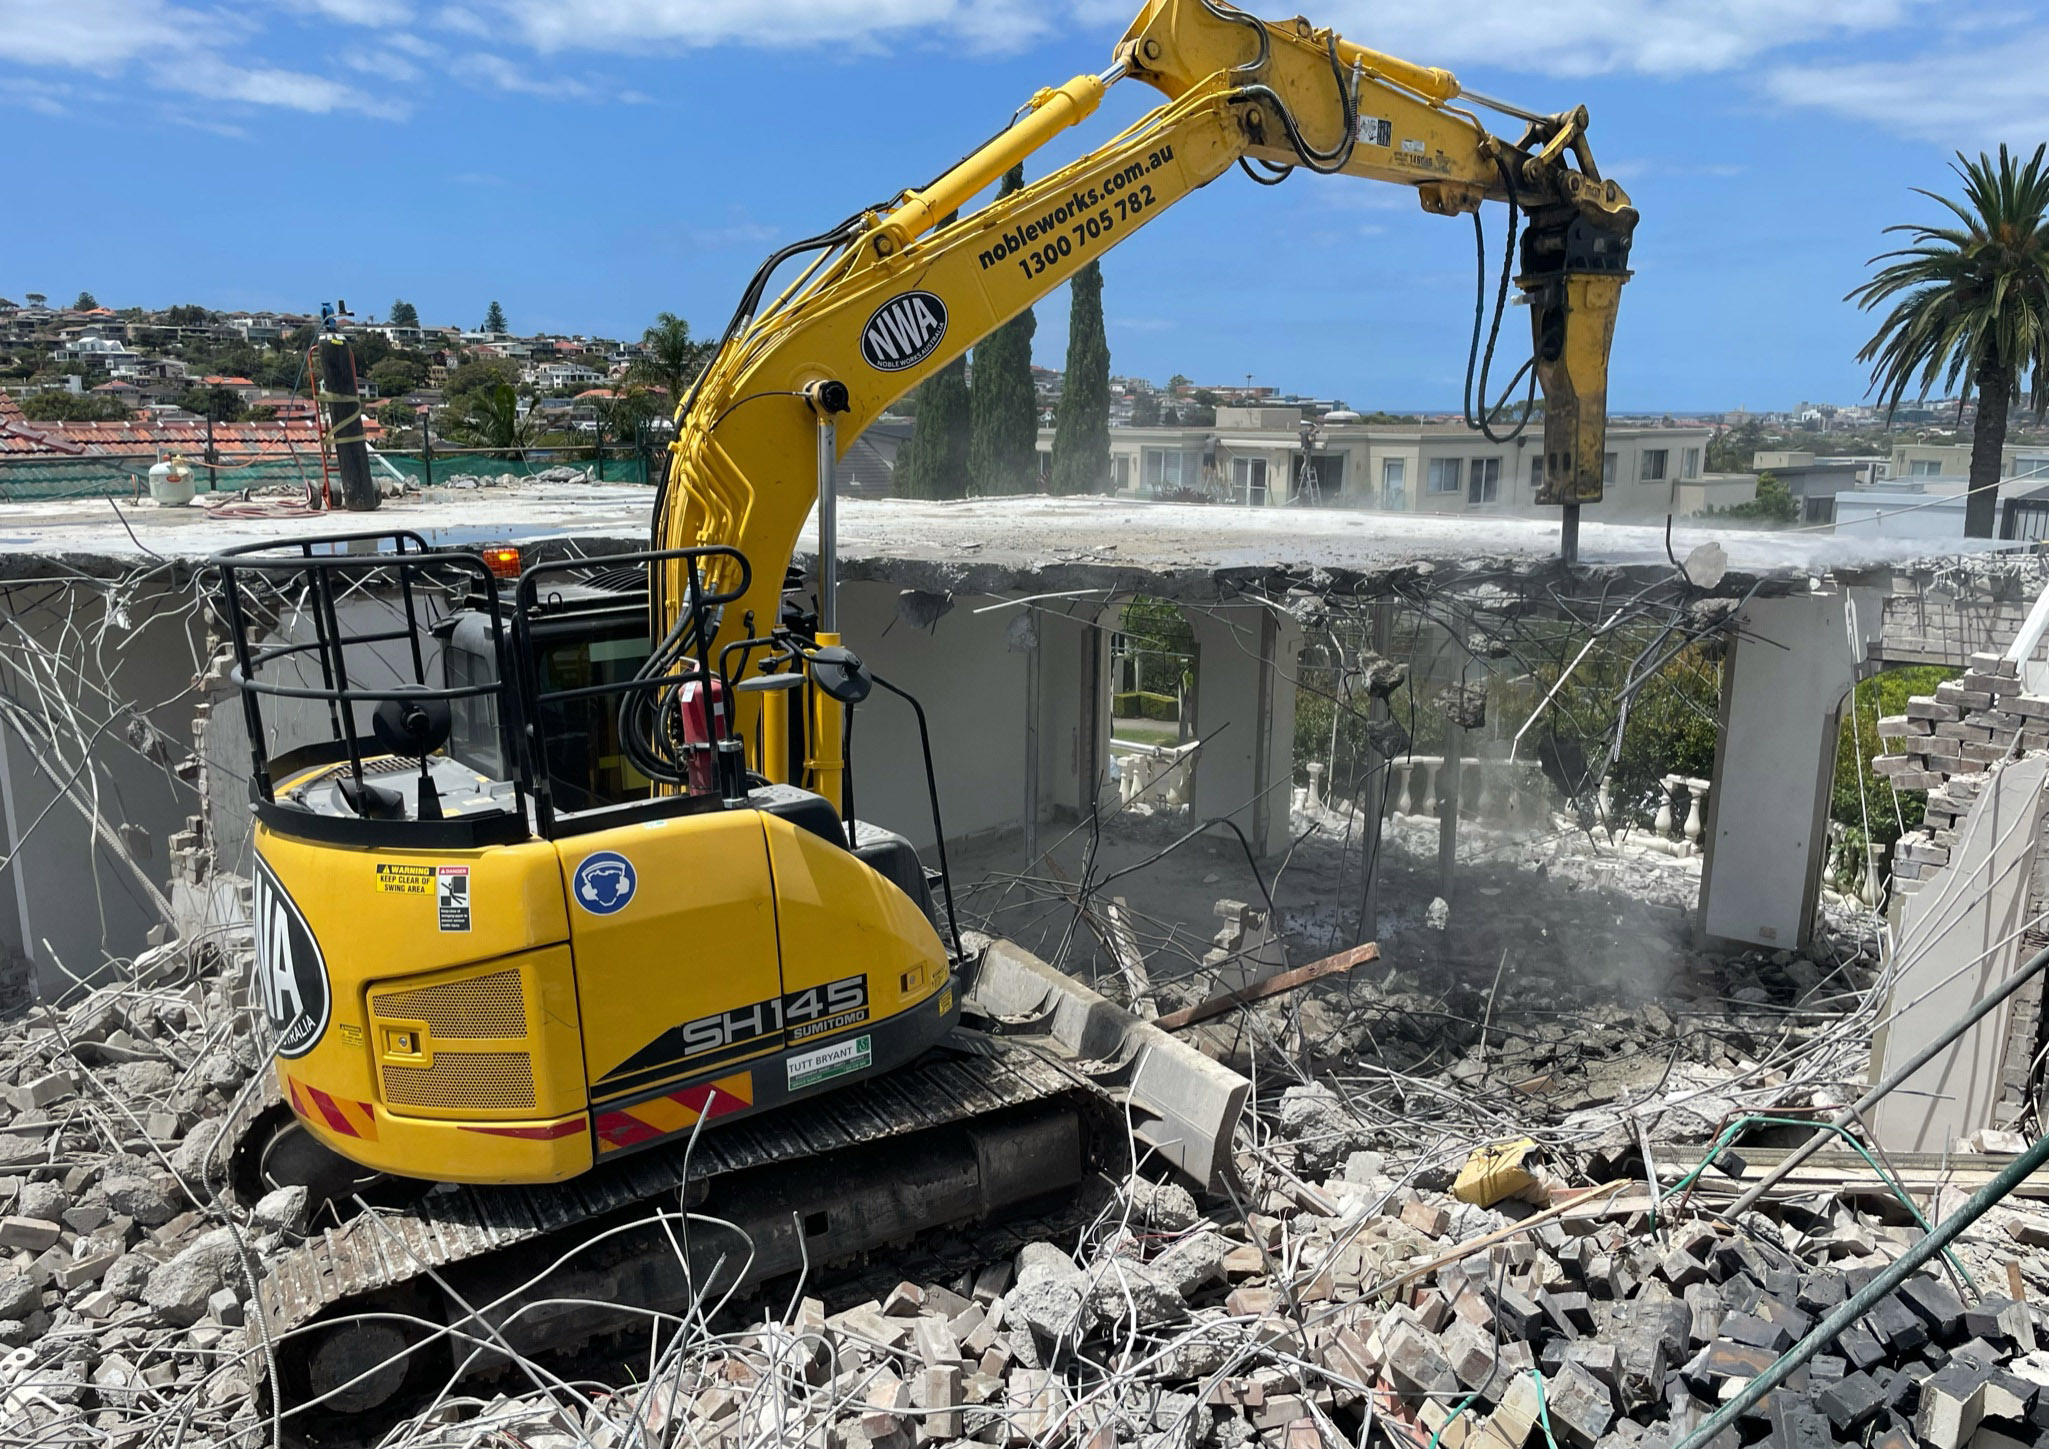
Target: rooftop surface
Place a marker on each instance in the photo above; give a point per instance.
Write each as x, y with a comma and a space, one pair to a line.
981, 545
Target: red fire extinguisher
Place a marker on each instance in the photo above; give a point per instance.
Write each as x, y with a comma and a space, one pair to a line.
703, 726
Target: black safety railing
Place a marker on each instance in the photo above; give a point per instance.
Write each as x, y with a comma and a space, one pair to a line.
315, 575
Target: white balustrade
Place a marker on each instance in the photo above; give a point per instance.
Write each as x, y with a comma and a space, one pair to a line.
1498, 793
1681, 819
1156, 774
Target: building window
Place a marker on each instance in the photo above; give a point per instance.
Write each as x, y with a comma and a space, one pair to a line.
1483, 484
1326, 471
1607, 470
1248, 481
1444, 475
1394, 483
1536, 474
1924, 468
1689, 463
1120, 472
1652, 468
1163, 468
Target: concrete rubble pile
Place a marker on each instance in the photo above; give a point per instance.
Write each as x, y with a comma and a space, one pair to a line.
123, 1292
1359, 1309
1349, 1289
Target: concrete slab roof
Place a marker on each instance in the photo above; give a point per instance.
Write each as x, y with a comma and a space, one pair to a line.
978, 545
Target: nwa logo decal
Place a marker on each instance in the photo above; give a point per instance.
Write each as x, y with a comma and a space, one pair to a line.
903, 331
290, 973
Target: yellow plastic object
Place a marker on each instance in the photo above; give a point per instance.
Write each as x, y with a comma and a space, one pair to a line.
1495, 1172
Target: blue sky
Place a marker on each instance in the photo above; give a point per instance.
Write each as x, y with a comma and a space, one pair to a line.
591, 162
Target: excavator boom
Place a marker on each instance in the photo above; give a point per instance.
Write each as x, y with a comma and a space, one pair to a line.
895, 295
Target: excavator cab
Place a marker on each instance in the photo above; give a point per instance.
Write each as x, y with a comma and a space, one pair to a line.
523, 900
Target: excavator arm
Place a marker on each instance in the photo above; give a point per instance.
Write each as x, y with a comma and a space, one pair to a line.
898, 291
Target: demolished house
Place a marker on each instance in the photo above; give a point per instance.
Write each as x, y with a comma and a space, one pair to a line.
1515, 1054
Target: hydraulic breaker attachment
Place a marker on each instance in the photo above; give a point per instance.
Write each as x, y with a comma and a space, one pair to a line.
1572, 275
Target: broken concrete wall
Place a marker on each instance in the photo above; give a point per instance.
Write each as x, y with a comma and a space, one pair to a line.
95, 715
969, 671
1245, 715
1960, 937
1789, 670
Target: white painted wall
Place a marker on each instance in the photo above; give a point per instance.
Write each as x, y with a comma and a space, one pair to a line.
1766, 832
1899, 513
972, 684
1245, 716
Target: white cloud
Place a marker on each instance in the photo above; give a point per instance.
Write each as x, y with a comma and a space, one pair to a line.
1778, 49
553, 25
1961, 99
178, 50
360, 12
1549, 37
741, 231
484, 68
1596, 37
205, 74
89, 34
38, 96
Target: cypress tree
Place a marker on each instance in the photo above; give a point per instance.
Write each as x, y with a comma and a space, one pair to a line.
933, 462
1081, 433
1004, 435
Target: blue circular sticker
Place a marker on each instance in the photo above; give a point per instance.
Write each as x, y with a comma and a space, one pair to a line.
604, 883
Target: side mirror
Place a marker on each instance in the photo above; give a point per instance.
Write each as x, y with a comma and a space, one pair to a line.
412, 727
841, 674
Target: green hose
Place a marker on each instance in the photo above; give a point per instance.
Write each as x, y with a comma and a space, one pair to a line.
1543, 1409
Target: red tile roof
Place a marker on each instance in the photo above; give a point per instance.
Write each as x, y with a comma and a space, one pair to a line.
149, 436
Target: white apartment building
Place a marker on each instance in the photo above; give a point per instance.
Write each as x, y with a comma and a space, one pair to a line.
1262, 457
1923, 461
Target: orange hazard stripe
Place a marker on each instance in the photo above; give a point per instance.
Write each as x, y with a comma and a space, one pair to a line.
337, 1114
674, 1112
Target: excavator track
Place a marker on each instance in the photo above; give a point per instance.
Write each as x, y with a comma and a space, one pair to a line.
972, 1076
369, 1318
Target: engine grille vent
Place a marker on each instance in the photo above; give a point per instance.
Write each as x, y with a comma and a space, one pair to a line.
481, 1006
478, 1080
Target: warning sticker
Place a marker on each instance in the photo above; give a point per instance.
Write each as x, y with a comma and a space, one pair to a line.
808, 1069
1376, 130
405, 880
452, 896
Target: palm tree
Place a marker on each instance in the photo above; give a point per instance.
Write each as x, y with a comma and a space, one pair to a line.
490, 418
671, 358
1973, 307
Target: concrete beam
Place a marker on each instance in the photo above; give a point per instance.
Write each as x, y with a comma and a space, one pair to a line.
1767, 829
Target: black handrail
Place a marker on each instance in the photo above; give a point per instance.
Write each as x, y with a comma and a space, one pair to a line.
318, 560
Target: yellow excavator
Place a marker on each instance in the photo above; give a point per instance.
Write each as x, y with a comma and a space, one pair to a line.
557, 864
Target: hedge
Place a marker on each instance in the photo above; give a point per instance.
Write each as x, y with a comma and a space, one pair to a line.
1144, 704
